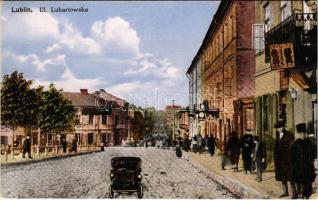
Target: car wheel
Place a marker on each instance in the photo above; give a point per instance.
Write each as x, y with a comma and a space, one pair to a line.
111, 192
140, 192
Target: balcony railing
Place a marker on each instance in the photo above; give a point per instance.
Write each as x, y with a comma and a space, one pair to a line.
299, 29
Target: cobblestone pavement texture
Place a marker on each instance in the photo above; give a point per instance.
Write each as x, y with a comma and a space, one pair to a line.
87, 176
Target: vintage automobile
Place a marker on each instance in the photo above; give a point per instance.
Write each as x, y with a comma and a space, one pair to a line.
125, 176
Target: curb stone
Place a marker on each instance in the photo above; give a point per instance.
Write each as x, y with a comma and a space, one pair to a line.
235, 187
11, 164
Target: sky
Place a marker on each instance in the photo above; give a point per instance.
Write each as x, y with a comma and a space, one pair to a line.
139, 51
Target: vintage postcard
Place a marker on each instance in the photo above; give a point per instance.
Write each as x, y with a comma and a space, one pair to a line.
159, 99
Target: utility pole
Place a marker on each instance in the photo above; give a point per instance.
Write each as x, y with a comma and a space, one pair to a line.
174, 121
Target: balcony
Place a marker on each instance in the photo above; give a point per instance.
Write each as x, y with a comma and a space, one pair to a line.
301, 30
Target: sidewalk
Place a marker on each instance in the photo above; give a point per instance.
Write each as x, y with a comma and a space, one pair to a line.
38, 158
241, 184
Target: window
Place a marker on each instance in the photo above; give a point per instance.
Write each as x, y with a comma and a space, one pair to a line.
90, 138
116, 119
4, 140
104, 119
285, 9
90, 119
267, 16
265, 114
221, 41
78, 137
258, 37
230, 28
249, 119
228, 75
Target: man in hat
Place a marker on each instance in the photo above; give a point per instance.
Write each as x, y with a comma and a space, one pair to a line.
282, 158
26, 147
302, 157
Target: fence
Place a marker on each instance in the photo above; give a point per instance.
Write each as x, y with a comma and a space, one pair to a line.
42, 151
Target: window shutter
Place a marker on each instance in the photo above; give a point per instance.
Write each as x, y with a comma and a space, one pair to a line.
274, 113
259, 115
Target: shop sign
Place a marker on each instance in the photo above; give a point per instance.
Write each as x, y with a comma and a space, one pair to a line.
282, 56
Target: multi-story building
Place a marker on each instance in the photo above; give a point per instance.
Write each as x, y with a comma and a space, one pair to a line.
285, 43
103, 118
228, 70
184, 124
194, 74
171, 120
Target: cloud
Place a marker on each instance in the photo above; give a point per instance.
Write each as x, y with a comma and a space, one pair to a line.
126, 88
73, 40
41, 65
70, 83
52, 48
43, 27
116, 34
31, 26
150, 93
149, 65
111, 48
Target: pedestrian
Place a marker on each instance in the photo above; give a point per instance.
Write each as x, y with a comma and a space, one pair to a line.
259, 157
27, 147
233, 148
247, 150
211, 144
74, 146
194, 144
64, 145
185, 144
199, 143
102, 147
282, 157
178, 151
302, 160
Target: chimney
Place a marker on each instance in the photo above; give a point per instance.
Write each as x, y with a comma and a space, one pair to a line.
84, 91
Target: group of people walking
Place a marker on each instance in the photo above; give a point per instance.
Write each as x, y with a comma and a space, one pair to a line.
293, 160
253, 153
198, 144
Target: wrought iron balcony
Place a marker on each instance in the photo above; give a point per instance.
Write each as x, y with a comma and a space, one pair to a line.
301, 30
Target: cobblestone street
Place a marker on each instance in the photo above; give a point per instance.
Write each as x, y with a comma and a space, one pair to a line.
87, 176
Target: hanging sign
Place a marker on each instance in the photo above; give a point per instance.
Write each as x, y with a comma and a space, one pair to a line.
282, 56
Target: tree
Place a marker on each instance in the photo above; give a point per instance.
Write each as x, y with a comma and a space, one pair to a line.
19, 103
148, 122
137, 122
57, 113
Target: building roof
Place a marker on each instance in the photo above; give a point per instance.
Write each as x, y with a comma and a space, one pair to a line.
219, 14
109, 97
81, 100
171, 107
